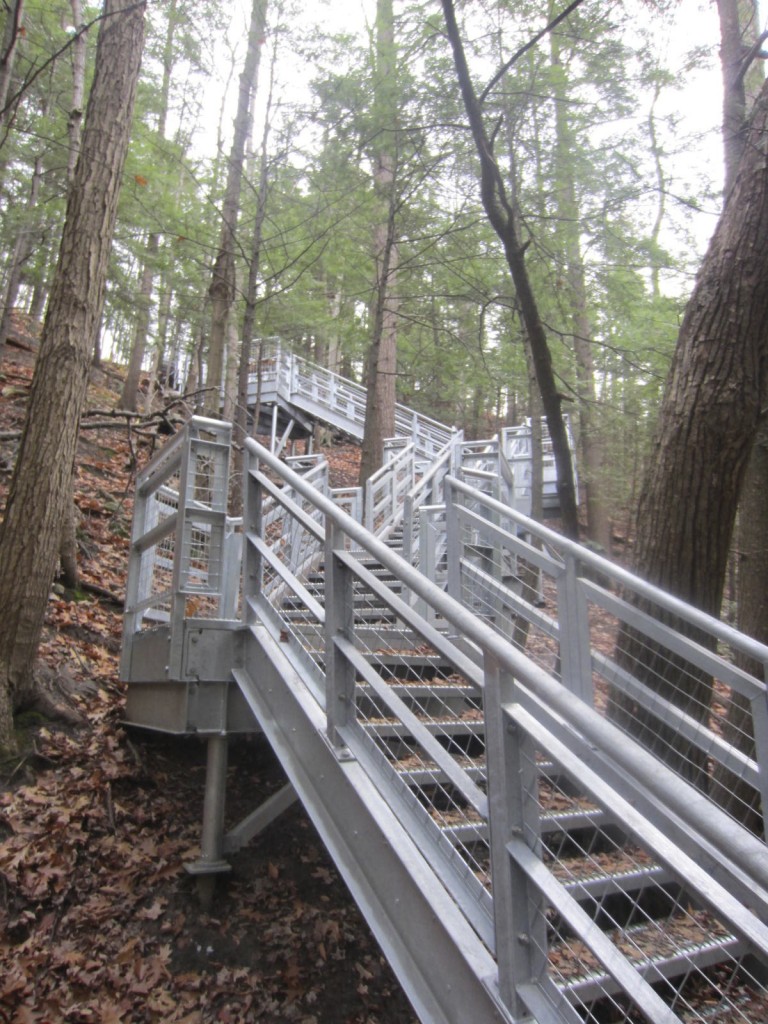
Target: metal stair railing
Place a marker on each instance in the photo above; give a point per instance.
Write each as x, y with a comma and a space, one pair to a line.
517, 446
659, 667
489, 767
338, 401
184, 554
565, 769
385, 490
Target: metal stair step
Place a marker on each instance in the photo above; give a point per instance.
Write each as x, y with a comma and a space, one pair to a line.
452, 727
591, 987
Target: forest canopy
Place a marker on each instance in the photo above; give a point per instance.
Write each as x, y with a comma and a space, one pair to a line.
594, 129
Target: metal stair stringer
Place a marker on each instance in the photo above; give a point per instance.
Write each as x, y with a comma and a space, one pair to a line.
444, 968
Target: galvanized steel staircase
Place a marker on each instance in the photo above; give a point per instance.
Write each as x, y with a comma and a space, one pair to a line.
437, 695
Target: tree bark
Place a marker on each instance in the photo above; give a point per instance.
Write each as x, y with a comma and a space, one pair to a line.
381, 366
590, 435
713, 397
222, 288
709, 418
501, 214
129, 398
42, 479
11, 33
75, 119
742, 79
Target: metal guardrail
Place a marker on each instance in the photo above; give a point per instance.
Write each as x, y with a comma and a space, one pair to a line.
185, 551
517, 445
336, 400
595, 874
657, 667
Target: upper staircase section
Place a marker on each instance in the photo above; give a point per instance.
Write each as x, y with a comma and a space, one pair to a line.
292, 393
305, 392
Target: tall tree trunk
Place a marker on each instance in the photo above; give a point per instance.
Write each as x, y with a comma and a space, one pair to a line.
249, 321
381, 365
130, 393
222, 288
42, 479
11, 33
568, 212
742, 77
501, 214
131, 384
75, 119
710, 414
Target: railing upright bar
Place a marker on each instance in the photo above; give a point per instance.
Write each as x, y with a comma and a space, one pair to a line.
573, 617
513, 813
339, 622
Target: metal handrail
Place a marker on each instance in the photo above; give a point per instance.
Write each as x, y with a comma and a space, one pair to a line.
699, 813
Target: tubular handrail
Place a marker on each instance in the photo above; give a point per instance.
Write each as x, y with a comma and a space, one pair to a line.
428, 434
734, 843
675, 606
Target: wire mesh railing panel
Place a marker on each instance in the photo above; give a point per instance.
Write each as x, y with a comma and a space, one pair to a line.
496, 704
207, 476
292, 573
618, 910
156, 561
688, 688
690, 699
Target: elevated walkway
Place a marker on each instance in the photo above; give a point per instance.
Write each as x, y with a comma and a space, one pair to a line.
531, 768
294, 394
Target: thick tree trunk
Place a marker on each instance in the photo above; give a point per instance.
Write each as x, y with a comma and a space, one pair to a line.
381, 367
569, 217
42, 479
738, 798
742, 78
713, 397
709, 418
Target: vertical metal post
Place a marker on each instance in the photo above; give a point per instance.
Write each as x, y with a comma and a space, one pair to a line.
759, 707
573, 619
212, 839
339, 621
252, 528
178, 599
211, 862
453, 541
513, 811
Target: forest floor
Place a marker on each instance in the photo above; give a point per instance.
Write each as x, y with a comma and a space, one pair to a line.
99, 921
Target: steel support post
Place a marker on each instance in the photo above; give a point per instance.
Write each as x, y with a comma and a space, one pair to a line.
211, 862
573, 618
